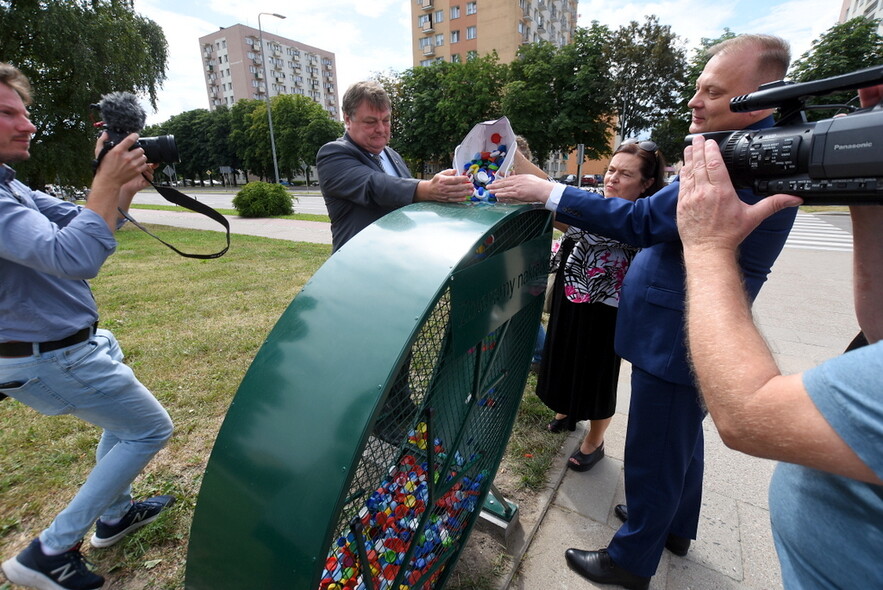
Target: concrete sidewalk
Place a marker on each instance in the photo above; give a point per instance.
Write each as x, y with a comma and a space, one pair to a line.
806, 313
280, 229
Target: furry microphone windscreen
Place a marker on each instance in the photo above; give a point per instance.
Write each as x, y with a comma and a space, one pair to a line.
122, 112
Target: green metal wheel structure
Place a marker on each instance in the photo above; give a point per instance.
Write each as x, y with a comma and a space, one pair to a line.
365, 436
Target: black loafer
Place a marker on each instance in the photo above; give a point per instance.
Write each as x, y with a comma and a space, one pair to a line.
598, 567
677, 545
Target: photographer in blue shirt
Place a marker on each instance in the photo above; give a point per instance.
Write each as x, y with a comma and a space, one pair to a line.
53, 357
825, 425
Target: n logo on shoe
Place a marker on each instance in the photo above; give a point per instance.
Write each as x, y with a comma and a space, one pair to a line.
64, 572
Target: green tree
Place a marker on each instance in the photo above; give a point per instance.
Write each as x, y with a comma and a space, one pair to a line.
472, 93
318, 132
75, 51
648, 72
558, 98
843, 48
241, 115
435, 106
192, 131
301, 127
417, 130
222, 152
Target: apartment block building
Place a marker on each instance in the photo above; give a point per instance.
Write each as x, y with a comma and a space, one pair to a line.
455, 30
233, 60
869, 8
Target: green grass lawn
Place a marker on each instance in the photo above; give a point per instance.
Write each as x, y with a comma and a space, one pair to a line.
190, 329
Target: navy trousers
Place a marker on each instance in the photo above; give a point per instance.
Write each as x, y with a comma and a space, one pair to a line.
664, 463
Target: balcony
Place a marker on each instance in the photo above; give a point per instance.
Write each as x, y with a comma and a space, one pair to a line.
426, 4
428, 50
427, 27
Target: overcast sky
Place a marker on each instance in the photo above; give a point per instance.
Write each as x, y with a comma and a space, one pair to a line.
369, 36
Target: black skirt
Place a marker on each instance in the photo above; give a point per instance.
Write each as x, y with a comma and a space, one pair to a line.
579, 370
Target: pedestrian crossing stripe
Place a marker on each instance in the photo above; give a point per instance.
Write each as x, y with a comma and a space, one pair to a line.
813, 233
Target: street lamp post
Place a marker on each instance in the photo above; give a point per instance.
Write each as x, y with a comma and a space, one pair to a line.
267, 91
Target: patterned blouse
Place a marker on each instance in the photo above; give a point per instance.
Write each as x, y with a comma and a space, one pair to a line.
596, 267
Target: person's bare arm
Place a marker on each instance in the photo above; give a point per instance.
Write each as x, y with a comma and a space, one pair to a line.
522, 165
867, 237
756, 409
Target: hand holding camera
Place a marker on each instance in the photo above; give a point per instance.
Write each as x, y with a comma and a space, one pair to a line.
122, 115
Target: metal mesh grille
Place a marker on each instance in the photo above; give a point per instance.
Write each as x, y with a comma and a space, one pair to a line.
435, 446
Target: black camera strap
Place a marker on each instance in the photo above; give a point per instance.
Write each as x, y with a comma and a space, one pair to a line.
178, 198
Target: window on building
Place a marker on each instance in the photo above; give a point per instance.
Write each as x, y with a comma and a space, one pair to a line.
471, 8
426, 62
455, 12
425, 42
439, 16
423, 20
470, 55
439, 40
471, 32
455, 58
455, 36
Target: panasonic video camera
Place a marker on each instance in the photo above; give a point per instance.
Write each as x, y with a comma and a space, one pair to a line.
837, 161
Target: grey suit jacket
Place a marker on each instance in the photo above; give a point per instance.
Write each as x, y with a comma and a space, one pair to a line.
357, 190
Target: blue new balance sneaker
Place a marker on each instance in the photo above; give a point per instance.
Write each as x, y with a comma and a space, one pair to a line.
68, 571
140, 514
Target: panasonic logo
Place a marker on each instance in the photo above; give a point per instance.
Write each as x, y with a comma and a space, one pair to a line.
853, 146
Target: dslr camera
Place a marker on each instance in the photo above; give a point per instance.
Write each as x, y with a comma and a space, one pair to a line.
837, 161
122, 114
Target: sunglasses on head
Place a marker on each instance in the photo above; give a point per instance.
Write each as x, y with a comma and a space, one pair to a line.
646, 145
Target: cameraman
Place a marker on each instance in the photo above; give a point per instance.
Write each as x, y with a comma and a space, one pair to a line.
825, 425
52, 356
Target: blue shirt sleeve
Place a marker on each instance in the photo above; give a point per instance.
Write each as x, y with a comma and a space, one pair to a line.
641, 223
52, 236
847, 391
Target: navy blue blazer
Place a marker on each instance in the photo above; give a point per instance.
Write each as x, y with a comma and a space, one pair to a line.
357, 190
650, 322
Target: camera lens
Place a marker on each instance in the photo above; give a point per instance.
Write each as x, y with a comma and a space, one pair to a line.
160, 149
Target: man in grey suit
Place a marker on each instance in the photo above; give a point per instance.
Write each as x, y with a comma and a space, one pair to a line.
362, 179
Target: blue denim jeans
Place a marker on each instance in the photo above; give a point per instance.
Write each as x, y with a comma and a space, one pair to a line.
90, 381
539, 344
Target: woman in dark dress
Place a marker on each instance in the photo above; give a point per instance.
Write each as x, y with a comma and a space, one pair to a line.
579, 369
